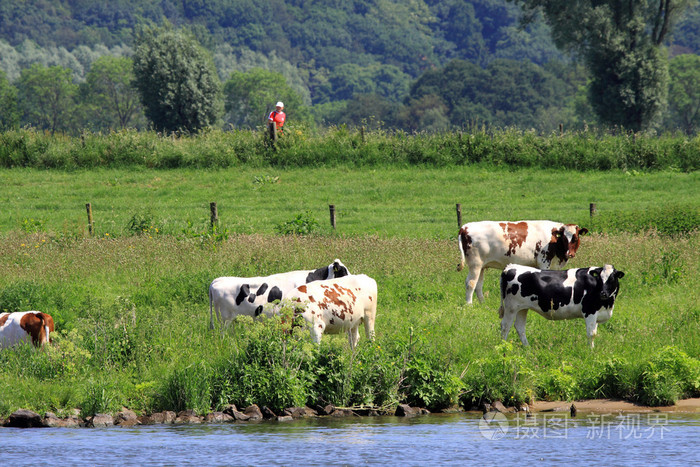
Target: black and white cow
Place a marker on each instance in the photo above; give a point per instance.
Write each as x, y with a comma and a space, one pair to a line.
247, 296
587, 293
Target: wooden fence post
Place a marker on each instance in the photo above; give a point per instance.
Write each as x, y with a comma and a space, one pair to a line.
273, 133
214, 214
592, 209
362, 134
88, 207
459, 215
331, 207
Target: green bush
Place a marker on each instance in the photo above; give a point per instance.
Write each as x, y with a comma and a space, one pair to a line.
303, 224
670, 375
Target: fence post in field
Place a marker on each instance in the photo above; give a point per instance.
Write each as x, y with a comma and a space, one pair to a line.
273, 133
592, 209
561, 129
331, 207
459, 215
362, 134
214, 214
88, 207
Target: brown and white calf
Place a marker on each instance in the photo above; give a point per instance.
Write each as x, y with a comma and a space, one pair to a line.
337, 305
491, 244
25, 326
587, 293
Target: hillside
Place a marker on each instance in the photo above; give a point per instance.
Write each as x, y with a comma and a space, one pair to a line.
329, 52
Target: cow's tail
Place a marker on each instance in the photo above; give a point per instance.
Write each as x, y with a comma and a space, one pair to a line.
211, 311
463, 246
501, 309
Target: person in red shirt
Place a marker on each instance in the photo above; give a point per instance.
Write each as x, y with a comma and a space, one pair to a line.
277, 116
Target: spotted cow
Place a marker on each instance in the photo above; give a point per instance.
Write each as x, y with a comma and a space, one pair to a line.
337, 305
587, 293
490, 244
248, 296
25, 326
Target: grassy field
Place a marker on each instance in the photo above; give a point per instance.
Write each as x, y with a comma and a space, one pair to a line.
132, 312
385, 201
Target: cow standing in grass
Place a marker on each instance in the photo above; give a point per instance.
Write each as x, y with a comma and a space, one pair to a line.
587, 293
249, 296
490, 244
337, 305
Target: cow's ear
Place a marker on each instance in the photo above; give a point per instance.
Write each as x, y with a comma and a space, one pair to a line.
619, 274
582, 231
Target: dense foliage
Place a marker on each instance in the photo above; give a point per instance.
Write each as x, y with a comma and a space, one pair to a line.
301, 147
177, 81
349, 67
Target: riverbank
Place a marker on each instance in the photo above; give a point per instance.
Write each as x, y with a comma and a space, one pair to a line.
691, 405
127, 418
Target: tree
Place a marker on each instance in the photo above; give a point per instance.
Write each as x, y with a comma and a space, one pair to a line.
621, 44
109, 93
250, 96
176, 79
9, 116
47, 97
684, 92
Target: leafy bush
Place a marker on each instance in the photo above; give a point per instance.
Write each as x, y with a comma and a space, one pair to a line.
100, 397
506, 376
670, 375
143, 224
303, 224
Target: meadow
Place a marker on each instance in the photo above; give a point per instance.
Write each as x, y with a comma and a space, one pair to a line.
131, 306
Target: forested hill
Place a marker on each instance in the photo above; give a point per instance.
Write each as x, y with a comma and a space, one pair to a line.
329, 52
410, 36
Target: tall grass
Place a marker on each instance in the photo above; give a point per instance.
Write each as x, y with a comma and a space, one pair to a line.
302, 147
132, 327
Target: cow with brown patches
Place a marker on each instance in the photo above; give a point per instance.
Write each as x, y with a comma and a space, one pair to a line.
337, 305
26, 326
489, 244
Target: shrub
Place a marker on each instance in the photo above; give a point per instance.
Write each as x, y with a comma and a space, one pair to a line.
670, 375
303, 224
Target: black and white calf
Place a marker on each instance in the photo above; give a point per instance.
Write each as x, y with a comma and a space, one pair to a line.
247, 296
587, 293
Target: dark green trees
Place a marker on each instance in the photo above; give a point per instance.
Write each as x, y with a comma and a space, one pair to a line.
621, 44
176, 78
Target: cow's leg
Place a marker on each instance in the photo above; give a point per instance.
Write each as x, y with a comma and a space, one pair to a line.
506, 322
472, 280
520, 319
369, 325
480, 285
591, 328
354, 336
317, 329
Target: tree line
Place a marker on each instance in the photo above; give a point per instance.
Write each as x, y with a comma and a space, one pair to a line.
171, 83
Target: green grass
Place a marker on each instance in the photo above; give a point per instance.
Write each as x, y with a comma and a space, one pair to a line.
386, 201
131, 307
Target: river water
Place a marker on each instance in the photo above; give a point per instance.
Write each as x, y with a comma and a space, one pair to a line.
445, 439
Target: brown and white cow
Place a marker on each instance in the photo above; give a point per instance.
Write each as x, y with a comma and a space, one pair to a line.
587, 293
249, 296
25, 326
337, 305
490, 244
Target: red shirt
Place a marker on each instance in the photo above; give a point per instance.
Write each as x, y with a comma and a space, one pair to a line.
277, 117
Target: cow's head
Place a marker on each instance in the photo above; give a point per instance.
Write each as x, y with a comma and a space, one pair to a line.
333, 270
565, 241
607, 282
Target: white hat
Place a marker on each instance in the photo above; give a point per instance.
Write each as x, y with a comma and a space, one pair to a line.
279, 104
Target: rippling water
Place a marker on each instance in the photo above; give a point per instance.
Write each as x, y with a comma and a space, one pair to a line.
625, 439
